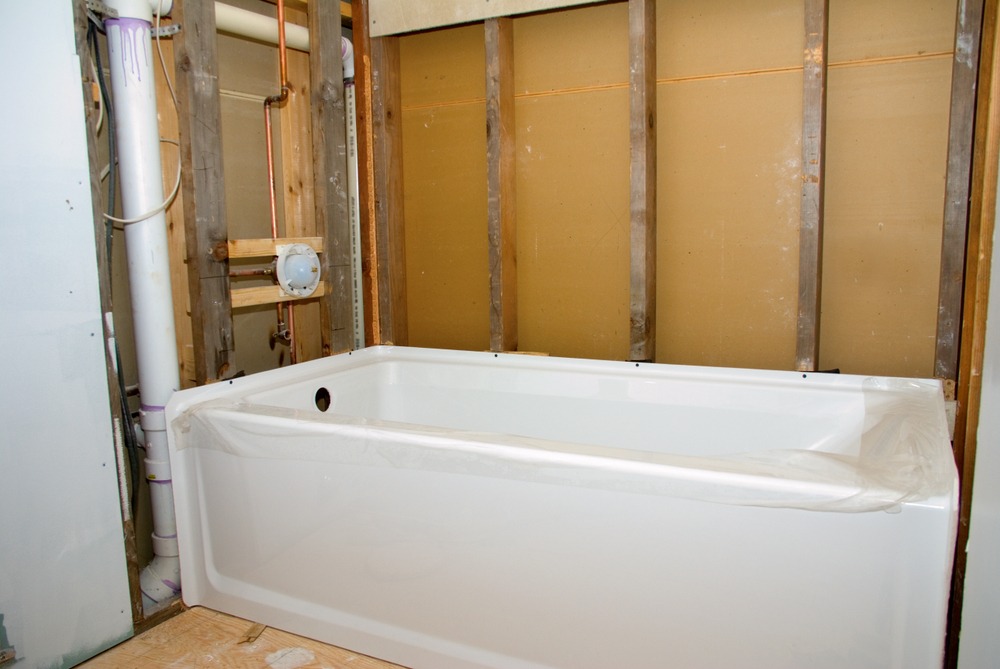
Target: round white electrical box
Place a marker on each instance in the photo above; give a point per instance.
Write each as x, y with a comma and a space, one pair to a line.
297, 269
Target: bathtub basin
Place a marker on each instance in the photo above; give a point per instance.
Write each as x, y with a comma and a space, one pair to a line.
458, 509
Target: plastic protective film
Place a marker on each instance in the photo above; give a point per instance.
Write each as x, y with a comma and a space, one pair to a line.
902, 455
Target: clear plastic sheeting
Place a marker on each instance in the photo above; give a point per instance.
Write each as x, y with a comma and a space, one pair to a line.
814, 442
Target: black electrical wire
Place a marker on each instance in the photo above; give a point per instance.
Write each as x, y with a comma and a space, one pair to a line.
128, 434
112, 146
128, 430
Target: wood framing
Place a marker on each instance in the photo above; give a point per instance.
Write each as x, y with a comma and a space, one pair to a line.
261, 248
964, 75
811, 212
303, 5
297, 186
200, 124
982, 218
381, 179
329, 166
500, 169
642, 194
366, 191
174, 214
252, 297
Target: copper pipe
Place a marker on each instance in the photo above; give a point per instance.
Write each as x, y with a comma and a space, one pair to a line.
259, 271
269, 142
271, 190
282, 53
268, 101
291, 334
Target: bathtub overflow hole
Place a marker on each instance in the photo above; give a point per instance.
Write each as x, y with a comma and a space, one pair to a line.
322, 399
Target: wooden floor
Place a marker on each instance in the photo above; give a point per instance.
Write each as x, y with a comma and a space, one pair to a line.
200, 637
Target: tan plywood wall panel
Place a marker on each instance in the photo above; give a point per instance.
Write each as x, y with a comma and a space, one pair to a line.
865, 30
887, 144
446, 256
729, 153
729, 189
573, 225
444, 176
715, 37
572, 50
887, 131
570, 81
730, 109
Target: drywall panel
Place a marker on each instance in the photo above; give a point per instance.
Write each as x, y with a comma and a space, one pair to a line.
887, 131
391, 17
728, 211
64, 592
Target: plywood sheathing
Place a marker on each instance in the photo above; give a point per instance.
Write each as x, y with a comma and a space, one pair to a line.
200, 637
443, 88
887, 120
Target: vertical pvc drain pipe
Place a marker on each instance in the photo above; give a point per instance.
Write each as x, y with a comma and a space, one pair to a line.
131, 61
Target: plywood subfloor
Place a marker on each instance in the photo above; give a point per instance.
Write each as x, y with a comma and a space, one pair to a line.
200, 637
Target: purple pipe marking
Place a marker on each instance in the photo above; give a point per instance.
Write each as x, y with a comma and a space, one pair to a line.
151, 407
133, 39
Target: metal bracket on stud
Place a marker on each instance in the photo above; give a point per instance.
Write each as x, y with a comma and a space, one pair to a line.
167, 30
102, 9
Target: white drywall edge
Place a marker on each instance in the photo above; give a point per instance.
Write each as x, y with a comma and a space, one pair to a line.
391, 17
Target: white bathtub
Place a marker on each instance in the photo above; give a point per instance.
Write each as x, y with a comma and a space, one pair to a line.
456, 509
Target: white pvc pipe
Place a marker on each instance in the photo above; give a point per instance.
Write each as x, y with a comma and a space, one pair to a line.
347, 53
141, 9
131, 62
242, 22
354, 214
245, 23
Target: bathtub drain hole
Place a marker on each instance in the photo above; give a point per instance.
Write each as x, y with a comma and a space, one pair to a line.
322, 399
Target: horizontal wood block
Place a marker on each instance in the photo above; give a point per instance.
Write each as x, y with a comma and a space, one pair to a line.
252, 297
257, 248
